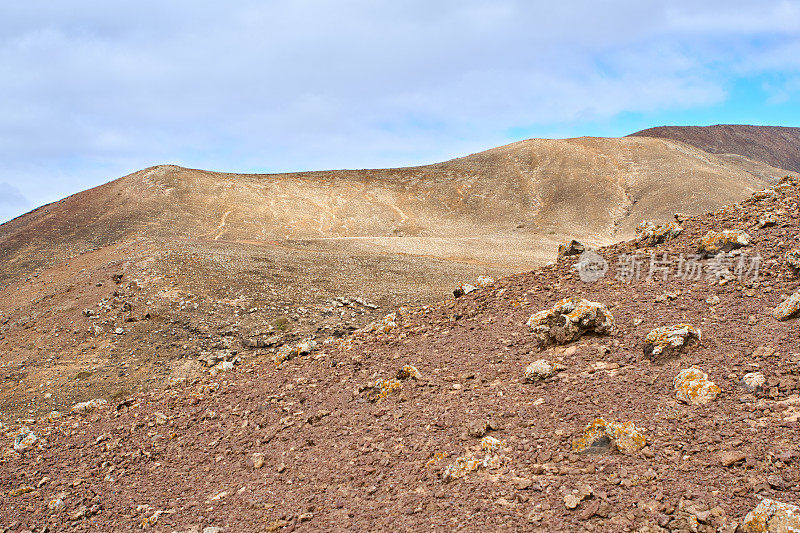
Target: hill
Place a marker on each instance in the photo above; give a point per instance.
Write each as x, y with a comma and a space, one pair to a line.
510, 418
774, 145
127, 285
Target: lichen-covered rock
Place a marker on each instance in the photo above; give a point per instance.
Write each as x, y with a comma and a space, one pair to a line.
287, 351
768, 220
793, 258
726, 240
655, 234
771, 516
667, 342
408, 372
384, 325
571, 248
541, 369
692, 386
569, 319
789, 308
24, 439
492, 447
769, 192
90, 405
603, 437
383, 388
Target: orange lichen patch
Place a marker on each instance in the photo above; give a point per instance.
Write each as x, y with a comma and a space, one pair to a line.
772, 516
25, 489
692, 386
569, 319
438, 456
385, 387
384, 325
788, 308
655, 234
408, 371
726, 240
601, 436
491, 446
667, 341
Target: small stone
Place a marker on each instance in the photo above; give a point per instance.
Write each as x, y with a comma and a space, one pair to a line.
754, 381
731, 458
776, 482
56, 504
258, 460
477, 428
212, 529
571, 501
541, 369
119, 331
281, 468
24, 439
713, 300
521, 483
571, 248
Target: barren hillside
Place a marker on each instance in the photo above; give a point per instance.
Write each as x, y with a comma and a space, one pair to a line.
774, 145
666, 402
124, 286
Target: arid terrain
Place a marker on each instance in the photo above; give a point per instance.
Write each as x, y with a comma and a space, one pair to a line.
178, 299
774, 145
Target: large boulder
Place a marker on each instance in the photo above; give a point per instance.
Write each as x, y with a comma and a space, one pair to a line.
667, 342
569, 319
726, 240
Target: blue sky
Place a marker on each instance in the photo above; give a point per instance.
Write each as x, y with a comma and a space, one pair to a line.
93, 90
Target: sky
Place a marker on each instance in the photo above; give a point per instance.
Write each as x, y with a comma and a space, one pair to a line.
94, 90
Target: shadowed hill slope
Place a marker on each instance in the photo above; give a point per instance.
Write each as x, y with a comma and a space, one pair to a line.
774, 145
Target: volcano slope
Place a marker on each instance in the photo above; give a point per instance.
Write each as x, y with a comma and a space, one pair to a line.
774, 145
124, 286
315, 444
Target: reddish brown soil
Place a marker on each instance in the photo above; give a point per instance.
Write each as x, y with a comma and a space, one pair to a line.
335, 461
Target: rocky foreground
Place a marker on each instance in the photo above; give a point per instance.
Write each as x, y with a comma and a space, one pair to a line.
661, 395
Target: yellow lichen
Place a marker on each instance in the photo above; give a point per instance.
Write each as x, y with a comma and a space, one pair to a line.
386, 387
600, 433
692, 386
714, 242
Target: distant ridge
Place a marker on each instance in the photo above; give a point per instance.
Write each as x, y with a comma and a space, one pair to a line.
775, 145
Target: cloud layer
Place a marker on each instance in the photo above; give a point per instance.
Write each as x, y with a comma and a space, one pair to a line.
92, 90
